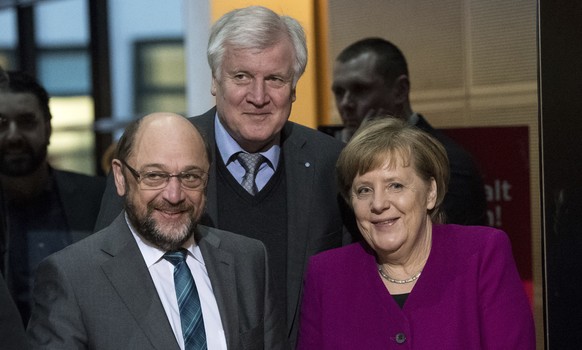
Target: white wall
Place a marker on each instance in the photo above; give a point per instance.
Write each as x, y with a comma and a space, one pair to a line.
197, 20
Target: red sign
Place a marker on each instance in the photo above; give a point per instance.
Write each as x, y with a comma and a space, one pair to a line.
502, 154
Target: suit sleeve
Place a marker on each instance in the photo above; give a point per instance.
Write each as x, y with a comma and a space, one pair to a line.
465, 202
506, 316
111, 205
56, 321
310, 332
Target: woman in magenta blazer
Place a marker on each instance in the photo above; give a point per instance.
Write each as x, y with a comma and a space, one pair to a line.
412, 283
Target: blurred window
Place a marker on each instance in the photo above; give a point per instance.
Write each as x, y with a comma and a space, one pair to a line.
65, 74
160, 76
65, 71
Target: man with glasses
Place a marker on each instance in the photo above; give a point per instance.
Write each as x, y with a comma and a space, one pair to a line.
155, 278
42, 209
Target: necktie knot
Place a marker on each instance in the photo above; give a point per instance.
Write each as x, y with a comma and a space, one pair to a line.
251, 163
176, 257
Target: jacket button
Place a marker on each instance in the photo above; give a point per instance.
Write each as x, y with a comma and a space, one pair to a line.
400, 338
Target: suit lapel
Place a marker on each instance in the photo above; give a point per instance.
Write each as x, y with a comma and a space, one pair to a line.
299, 172
131, 279
220, 267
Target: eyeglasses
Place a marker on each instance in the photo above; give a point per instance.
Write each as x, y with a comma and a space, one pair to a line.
156, 180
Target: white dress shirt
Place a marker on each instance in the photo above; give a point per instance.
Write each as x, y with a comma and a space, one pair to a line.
162, 272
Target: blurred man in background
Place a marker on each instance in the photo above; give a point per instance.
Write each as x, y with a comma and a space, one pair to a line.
371, 80
42, 209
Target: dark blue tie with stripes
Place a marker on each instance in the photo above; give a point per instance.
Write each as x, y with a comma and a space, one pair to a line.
188, 302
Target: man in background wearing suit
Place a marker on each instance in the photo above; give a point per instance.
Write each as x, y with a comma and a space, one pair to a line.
121, 288
370, 79
42, 209
292, 206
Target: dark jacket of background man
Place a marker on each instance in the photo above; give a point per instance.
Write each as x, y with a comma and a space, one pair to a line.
42, 209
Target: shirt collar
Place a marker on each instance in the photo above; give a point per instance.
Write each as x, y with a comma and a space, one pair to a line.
152, 254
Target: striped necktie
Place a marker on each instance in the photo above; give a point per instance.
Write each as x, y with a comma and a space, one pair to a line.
188, 302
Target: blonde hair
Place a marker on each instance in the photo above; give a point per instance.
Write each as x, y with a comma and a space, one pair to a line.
389, 139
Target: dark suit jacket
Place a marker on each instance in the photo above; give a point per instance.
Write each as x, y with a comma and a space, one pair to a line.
12, 335
465, 202
80, 197
98, 294
315, 211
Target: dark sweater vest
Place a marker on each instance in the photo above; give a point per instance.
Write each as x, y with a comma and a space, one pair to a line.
262, 216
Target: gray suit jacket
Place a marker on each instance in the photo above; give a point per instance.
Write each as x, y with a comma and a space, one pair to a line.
98, 294
317, 217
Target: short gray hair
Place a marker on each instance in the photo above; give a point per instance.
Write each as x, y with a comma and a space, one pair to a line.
255, 27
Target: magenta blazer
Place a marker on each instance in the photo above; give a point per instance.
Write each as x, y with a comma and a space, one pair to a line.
469, 296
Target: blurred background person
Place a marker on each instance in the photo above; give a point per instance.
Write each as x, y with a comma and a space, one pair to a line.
371, 80
412, 280
43, 209
11, 327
